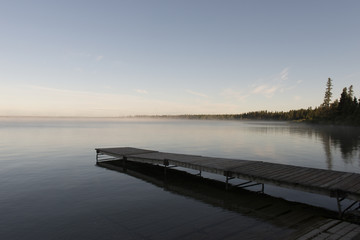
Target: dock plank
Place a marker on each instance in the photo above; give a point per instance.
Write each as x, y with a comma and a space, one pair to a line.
322, 177
278, 172
296, 175
294, 172
334, 182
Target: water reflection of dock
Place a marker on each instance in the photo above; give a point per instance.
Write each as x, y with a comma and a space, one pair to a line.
295, 220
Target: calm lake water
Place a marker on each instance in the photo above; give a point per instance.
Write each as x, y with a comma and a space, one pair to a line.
50, 187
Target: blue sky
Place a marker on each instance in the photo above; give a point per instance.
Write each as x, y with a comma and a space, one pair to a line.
116, 58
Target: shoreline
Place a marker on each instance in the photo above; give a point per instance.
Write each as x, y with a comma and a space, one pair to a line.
220, 117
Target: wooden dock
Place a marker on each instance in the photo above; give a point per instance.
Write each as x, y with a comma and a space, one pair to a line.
297, 221
335, 184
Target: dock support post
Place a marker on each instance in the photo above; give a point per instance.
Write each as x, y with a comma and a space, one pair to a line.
227, 183
339, 206
97, 156
166, 164
124, 163
228, 174
339, 199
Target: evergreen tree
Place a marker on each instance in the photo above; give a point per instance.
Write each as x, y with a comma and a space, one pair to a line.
343, 101
346, 102
328, 93
351, 91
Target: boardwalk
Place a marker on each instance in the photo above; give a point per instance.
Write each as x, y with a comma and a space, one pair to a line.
336, 184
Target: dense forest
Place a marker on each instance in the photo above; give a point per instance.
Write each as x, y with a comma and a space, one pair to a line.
344, 111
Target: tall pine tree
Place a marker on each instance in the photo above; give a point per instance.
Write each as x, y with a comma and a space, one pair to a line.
328, 93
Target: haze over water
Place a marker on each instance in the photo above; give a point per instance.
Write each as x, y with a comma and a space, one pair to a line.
51, 189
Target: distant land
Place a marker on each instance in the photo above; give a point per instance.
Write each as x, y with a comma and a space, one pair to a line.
342, 111
345, 111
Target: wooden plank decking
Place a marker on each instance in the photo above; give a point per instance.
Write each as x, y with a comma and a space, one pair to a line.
326, 182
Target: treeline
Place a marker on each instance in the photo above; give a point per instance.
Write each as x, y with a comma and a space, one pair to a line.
344, 111
301, 114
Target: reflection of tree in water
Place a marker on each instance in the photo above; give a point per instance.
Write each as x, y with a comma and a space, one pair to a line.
327, 148
346, 138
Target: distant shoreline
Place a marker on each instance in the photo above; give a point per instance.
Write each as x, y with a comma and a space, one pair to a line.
218, 117
240, 117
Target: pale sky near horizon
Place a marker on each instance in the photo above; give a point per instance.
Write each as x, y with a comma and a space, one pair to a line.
118, 58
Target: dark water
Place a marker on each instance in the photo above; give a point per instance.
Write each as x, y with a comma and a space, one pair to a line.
50, 187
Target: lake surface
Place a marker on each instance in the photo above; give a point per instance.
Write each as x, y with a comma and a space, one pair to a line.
50, 187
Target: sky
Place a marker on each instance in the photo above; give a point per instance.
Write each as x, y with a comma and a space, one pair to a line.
152, 57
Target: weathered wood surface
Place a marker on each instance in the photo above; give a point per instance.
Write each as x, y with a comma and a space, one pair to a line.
329, 229
320, 181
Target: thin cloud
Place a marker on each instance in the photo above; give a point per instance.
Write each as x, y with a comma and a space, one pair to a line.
196, 93
274, 85
47, 101
99, 58
297, 98
57, 90
272, 90
259, 89
284, 75
266, 90
233, 94
141, 91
